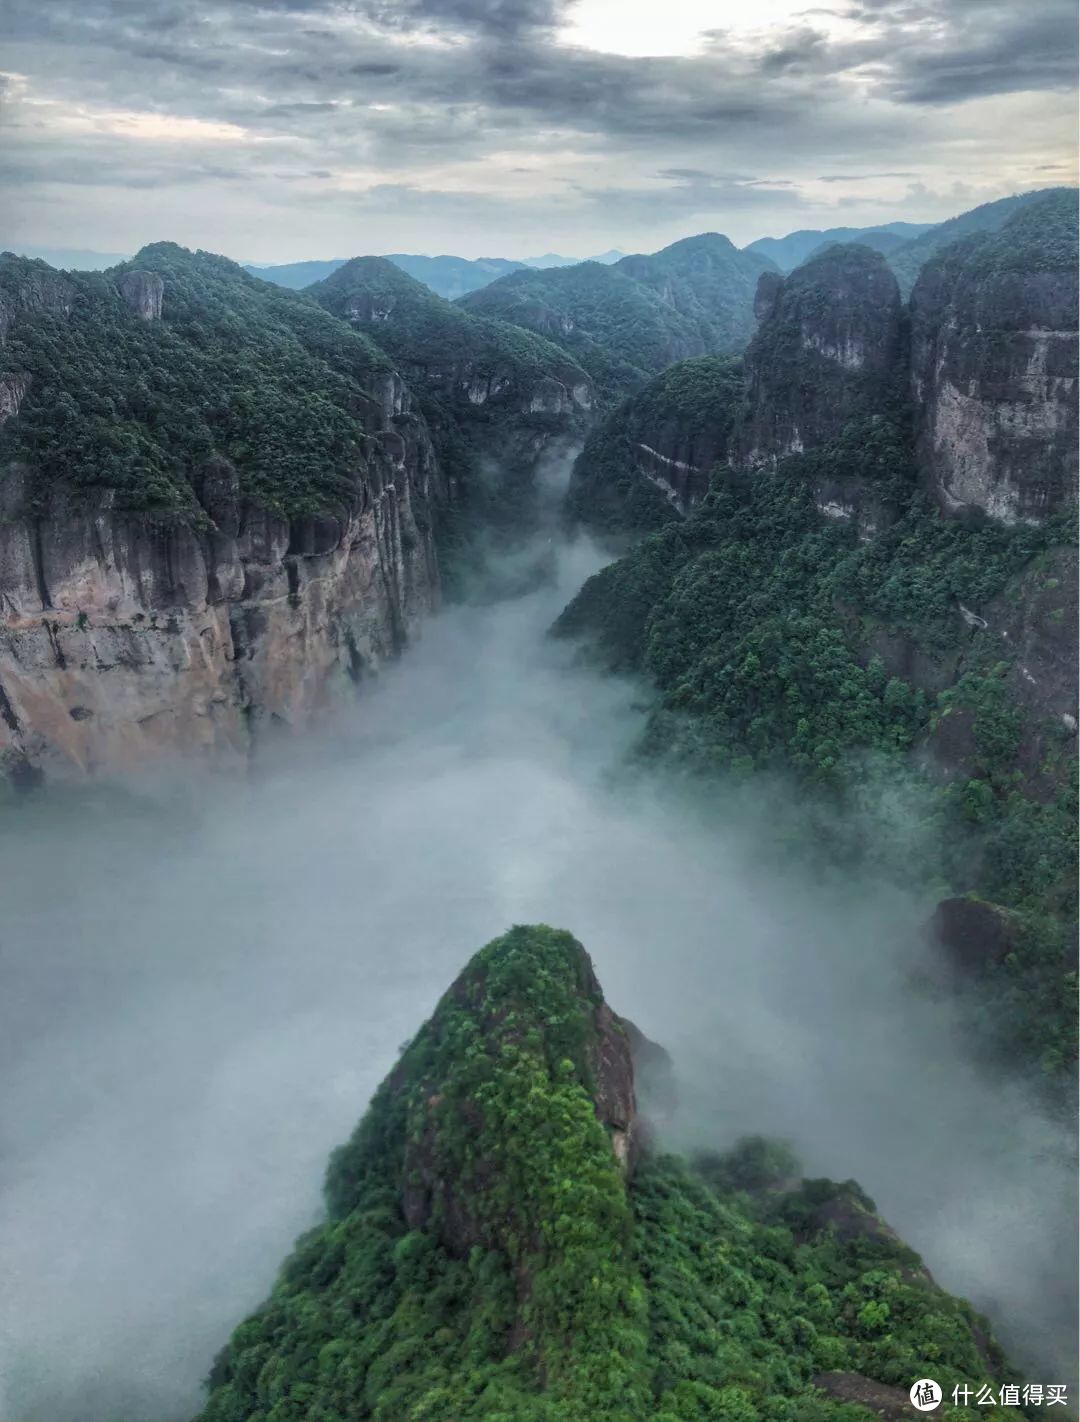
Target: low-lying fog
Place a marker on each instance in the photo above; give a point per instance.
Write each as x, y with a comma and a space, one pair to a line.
205, 980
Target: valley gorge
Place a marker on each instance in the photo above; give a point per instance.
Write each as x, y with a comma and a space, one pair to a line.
718, 618
132, 632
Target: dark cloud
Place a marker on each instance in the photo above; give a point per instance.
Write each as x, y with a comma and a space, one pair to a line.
384, 94
505, 19
860, 177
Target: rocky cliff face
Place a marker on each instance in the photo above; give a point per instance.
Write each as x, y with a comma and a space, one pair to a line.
828, 350
124, 640
131, 633
994, 367
143, 292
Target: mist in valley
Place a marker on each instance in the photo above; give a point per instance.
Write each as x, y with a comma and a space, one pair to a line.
206, 978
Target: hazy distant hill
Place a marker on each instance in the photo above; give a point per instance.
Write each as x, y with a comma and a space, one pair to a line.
71, 258
447, 276
791, 251
295, 275
552, 259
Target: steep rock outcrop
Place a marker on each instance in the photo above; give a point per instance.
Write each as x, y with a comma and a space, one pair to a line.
457, 1195
30, 286
994, 367
143, 292
124, 640
489, 1249
261, 533
829, 349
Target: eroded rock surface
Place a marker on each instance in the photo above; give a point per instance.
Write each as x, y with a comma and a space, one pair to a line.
994, 367
123, 641
829, 348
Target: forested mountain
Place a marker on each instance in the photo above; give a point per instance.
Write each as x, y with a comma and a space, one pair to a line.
492, 393
502, 1241
909, 260
446, 276
464, 356
630, 320
709, 281
822, 610
651, 458
618, 330
222, 503
130, 389
791, 251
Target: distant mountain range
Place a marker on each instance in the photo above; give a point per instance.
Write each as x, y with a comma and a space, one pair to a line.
552, 259
446, 275
791, 251
70, 259
906, 245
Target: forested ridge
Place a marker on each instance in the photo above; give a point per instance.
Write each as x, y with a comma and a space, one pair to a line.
874, 653
488, 1255
234, 367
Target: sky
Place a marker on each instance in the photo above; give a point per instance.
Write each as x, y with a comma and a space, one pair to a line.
276, 130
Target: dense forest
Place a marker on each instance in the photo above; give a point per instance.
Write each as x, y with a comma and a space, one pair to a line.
234, 367
489, 1255
782, 638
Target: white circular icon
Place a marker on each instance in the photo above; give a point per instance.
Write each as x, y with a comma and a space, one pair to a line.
925, 1395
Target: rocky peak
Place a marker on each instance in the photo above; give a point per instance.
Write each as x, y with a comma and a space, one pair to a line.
994, 366
522, 1046
143, 291
829, 349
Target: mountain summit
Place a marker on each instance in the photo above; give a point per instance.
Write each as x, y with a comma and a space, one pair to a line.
502, 1241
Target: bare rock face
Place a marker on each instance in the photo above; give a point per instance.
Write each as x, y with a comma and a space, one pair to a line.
828, 349
994, 367
123, 642
13, 390
971, 935
767, 296
143, 292
891, 1404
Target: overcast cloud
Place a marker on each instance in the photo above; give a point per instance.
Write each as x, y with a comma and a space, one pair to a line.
280, 129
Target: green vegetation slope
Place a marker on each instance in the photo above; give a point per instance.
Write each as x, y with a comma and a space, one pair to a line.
232, 367
491, 1255
629, 321
908, 261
